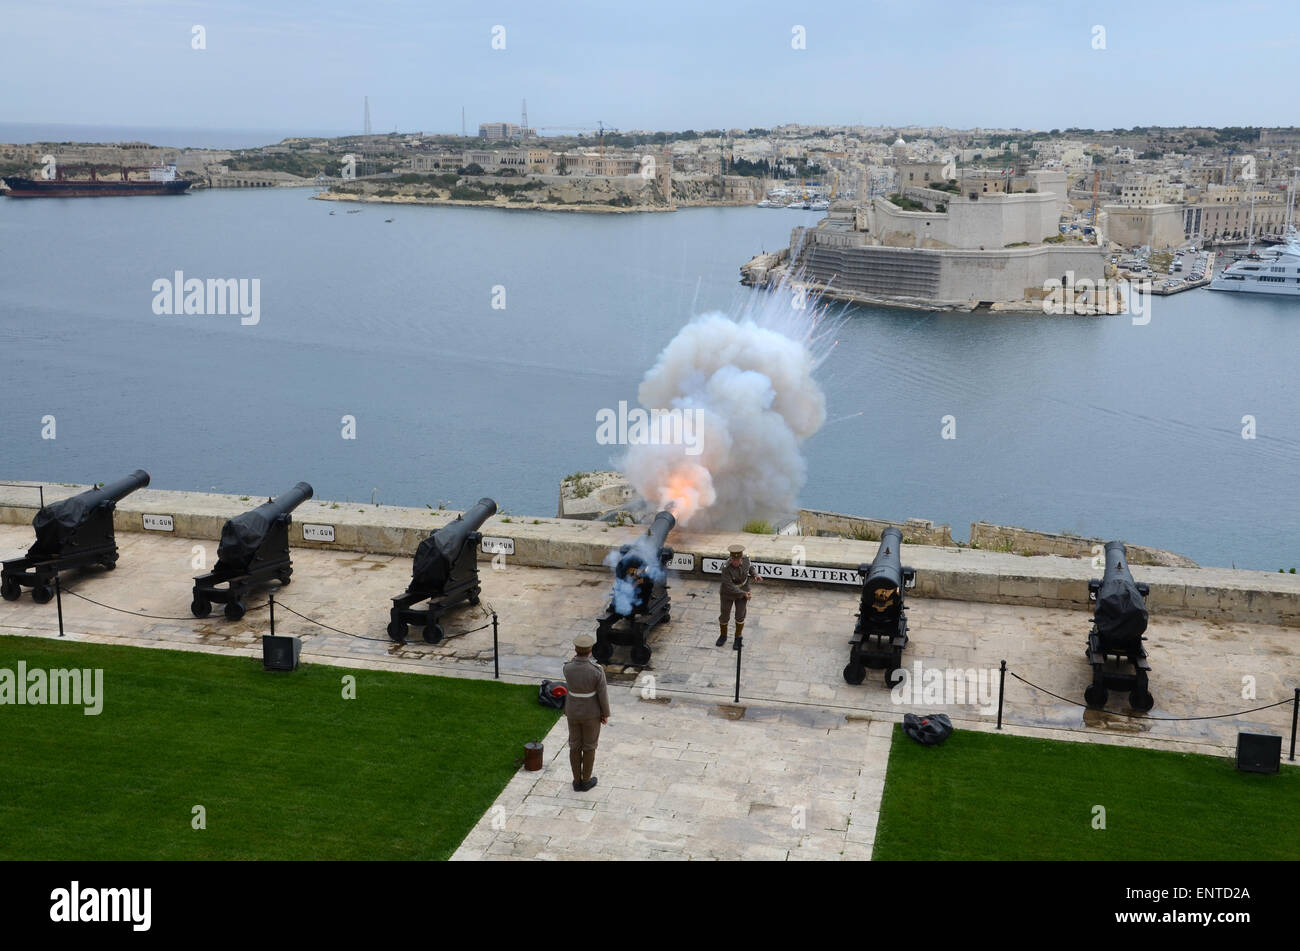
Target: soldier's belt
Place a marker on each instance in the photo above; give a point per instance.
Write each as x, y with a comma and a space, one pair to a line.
582, 696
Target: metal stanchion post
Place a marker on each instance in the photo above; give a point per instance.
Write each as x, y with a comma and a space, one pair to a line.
273, 614
1002, 689
740, 649
58, 601
496, 659
1295, 712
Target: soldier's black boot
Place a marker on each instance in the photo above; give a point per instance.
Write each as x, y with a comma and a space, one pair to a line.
722, 638
740, 626
589, 785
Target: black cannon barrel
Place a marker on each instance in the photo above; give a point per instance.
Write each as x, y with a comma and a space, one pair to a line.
645, 550
882, 589
123, 487
284, 503
887, 566
1121, 612
242, 535
660, 527
438, 553
58, 520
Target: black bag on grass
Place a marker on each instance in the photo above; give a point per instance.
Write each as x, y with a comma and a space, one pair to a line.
928, 731
552, 693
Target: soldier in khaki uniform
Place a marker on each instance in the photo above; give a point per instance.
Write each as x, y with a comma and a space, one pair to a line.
587, 707
737, 573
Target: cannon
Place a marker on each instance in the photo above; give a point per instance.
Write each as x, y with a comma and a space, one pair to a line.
880, 635
73, 533
254, 549
1119, 621
640, 597
445, 573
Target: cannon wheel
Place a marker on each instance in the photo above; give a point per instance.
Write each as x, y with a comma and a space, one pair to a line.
603, 651
1096, 695
200, 607
235, 610
1141, 700
10, 590
855, 673
432, 632
397, 630
640, 654
42, 594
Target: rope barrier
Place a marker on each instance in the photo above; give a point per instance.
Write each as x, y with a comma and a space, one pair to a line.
363, 637
360, 637
155, 617
488, 611
1217, 716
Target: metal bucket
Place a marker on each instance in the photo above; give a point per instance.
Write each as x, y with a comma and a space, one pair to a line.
533, 756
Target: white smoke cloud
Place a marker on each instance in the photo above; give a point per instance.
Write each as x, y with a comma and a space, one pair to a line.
750, 378
626, 593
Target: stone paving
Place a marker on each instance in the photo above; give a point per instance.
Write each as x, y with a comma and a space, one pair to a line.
797, 772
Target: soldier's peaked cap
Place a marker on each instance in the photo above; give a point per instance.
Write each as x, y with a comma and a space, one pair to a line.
737, 549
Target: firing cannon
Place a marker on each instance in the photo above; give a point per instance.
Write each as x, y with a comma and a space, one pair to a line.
254, 549
73, 533
880, 635
1119, 621
640, 597
445, 573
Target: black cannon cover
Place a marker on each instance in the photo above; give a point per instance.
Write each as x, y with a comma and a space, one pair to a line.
242, 536
437, 554
1121, 612
58, 522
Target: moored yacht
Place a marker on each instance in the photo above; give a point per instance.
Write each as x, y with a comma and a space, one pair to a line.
1274, 271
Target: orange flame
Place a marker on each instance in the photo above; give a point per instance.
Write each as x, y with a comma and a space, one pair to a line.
686, 490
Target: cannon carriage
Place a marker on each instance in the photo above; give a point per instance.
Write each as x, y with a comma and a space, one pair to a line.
880, 636
640, 600
74, 533
445, 573
1119, 622
254, 550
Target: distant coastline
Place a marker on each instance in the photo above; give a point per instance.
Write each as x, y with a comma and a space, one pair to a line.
28, 133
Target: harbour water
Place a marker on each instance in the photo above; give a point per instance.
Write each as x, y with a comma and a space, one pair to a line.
1094, 426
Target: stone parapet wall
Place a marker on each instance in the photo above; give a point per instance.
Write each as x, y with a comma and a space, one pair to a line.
1022, 541
951, 573
916, 531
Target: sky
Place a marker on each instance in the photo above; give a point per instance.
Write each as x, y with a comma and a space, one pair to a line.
291, 66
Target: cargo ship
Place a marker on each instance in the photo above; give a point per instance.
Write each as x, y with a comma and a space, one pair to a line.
162, 180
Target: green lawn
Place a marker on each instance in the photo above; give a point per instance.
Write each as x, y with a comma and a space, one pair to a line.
284, 766
988, 796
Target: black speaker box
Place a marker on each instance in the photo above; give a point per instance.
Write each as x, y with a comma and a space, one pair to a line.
1259, 753
281, 653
